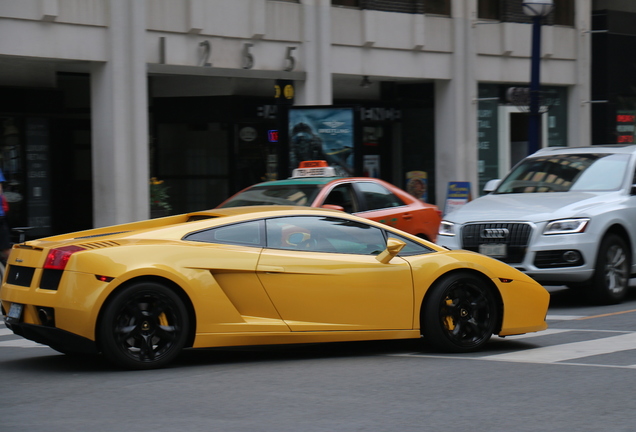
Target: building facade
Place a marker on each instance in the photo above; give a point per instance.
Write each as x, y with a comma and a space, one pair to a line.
100, 95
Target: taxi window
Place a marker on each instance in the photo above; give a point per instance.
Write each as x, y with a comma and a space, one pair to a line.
377, 196
343, 196
299, 195
245, 233
324, 234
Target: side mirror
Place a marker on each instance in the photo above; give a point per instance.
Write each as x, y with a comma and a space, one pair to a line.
393, 247
491, 185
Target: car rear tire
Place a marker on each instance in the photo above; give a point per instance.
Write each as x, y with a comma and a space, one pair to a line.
610, 282
460, 315
145, 326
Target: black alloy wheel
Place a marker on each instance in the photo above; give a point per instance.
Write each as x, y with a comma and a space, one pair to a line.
610, 282
461, 313
144, 327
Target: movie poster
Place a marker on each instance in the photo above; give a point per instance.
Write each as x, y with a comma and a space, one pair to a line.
322, 134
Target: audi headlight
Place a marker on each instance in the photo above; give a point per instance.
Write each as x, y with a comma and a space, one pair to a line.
566, 226
446, 228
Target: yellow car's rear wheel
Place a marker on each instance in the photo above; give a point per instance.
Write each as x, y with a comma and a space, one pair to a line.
460, 314
145, 326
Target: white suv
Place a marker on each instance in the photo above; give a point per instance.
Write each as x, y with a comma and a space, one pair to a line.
564, 216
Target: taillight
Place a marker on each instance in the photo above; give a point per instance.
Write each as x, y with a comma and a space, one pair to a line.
58, 258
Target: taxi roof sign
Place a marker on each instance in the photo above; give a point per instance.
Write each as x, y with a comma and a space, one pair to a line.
315, 168
313, 164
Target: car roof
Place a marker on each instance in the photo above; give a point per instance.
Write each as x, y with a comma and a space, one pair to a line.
297, 181
246, 210
605, 148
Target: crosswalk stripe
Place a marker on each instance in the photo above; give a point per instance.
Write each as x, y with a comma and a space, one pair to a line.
564, 317
536, 334
21, 343
569, 351
5, 331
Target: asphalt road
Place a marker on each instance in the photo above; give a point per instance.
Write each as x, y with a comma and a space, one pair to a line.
579, 375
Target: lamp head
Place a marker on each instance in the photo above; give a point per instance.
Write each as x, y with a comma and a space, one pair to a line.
535, 8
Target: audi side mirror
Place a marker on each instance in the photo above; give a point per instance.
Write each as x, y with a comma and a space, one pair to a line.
491, 185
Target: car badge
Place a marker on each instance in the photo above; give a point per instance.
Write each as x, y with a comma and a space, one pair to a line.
495, 233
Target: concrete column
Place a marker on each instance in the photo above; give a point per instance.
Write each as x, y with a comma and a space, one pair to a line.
456, 152
579, 100
120, 120
317, 89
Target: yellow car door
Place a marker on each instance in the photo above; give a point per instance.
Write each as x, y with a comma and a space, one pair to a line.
322, 275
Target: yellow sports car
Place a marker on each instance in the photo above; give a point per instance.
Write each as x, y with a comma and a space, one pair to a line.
141, 292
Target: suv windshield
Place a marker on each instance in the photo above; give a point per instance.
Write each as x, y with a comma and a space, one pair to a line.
299, 195
566, 172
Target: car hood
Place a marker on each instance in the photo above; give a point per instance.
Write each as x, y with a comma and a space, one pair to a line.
533, 207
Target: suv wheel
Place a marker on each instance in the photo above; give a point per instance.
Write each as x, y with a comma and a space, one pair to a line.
612, 271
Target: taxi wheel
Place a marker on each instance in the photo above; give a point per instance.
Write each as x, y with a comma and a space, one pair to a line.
145, 326
460, 314
610, 282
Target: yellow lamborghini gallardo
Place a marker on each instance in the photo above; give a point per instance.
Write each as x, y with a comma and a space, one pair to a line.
139, 293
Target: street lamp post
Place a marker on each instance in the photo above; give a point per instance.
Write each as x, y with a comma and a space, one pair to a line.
537, 9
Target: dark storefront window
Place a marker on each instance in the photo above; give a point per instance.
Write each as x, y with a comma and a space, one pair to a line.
512, 11
488, 9
352, 3
563, 12
45, 156
613, 77
438, 7
417, 134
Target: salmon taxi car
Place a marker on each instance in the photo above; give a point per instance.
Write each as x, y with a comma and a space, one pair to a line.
314, 184
139, 293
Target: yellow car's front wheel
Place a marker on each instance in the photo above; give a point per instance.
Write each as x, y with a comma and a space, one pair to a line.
460, 314
145, 326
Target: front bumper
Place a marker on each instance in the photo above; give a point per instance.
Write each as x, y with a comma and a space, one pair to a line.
585, 244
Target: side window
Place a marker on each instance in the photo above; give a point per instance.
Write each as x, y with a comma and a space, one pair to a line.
324, 234
411, 248
343, 196
377, 196
246, 234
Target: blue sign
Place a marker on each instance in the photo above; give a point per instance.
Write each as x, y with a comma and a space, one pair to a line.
457, 195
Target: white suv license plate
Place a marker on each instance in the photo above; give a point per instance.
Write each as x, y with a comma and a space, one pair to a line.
494, 250
15, 311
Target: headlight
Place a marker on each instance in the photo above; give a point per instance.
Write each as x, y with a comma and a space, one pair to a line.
566, 226
446, 228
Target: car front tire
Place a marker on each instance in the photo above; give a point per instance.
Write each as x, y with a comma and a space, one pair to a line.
145, 326
460, 314
610, 282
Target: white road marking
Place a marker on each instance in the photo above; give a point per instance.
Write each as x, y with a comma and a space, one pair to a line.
21, 343
563, 317
18, 342
569, 351
536, 334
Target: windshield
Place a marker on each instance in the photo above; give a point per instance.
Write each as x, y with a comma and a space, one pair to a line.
299, 195
566, 172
